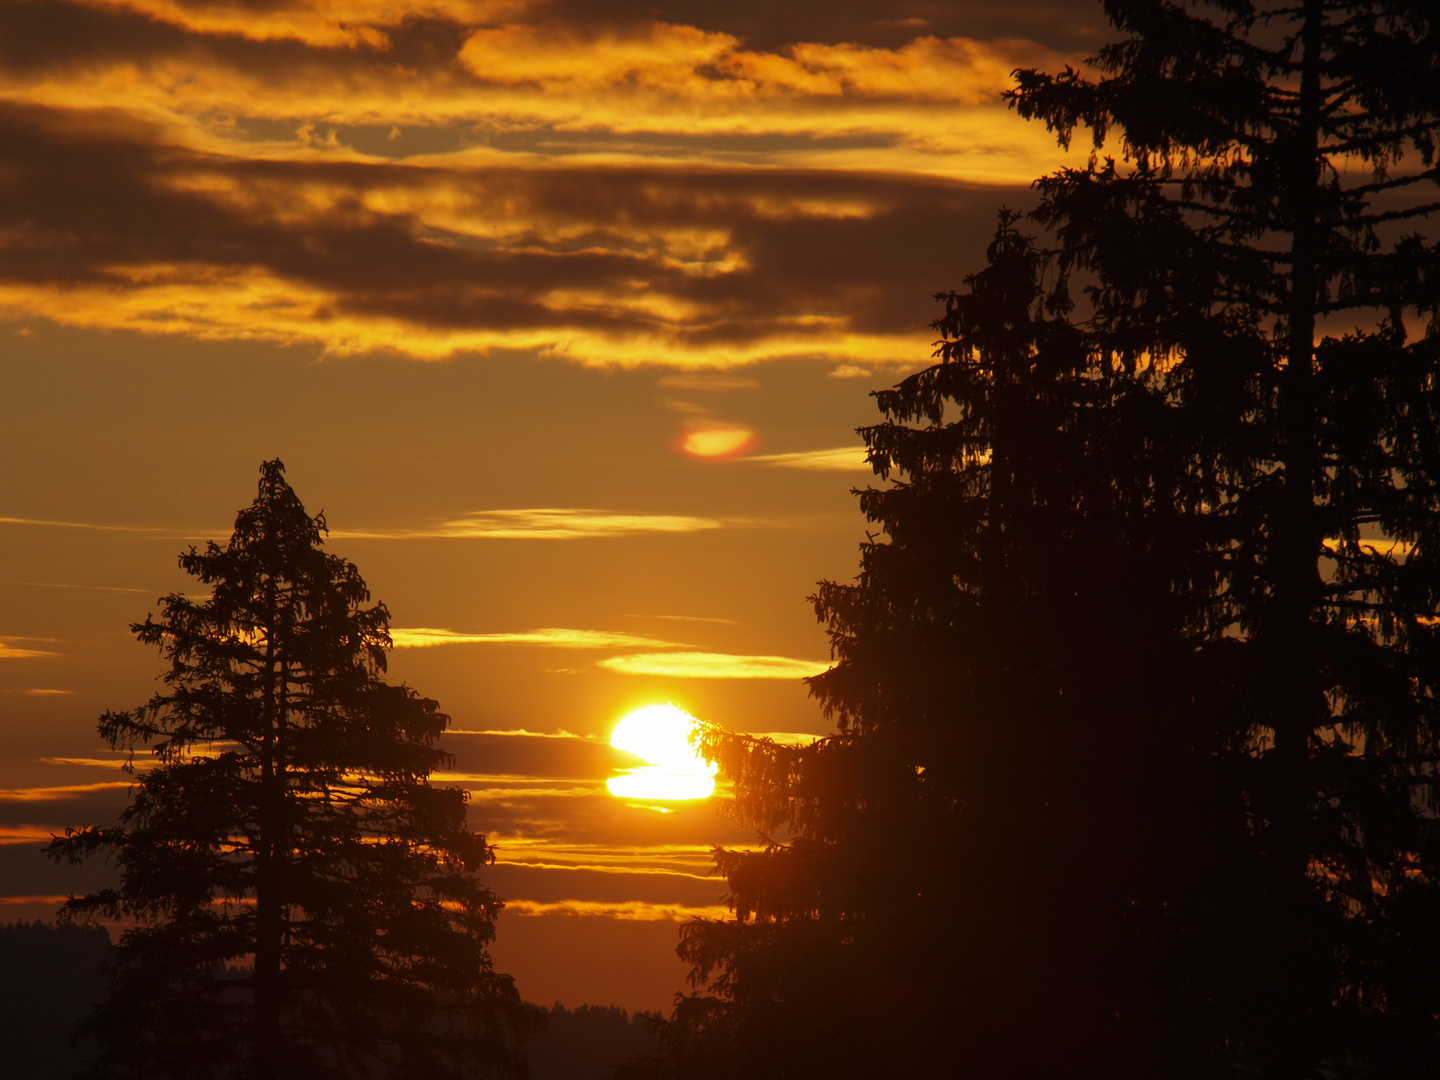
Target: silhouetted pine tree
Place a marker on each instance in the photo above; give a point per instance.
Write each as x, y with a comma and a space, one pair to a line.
1258, 236
304, 902
1019, 855
1137, 755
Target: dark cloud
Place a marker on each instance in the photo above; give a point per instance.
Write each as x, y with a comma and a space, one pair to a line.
93, 197
764, 24
52, 36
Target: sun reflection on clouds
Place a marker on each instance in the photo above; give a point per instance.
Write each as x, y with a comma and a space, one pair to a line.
718, 442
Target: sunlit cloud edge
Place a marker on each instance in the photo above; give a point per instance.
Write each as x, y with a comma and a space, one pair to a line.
424, 637
707, 665
839, 459
629, 910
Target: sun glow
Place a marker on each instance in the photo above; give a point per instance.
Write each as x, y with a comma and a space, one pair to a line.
661, 735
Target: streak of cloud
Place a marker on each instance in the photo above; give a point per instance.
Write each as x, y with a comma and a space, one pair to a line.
639, 910
549, 523
605, 259
47, 523
707, 665
88, 762
425, 637
525, 733
840, 459
25, 834
62, 791
18, 652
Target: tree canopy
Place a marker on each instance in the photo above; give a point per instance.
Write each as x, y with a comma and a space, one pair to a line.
302, 901
1135, 762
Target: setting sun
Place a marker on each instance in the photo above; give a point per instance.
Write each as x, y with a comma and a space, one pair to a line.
661, 735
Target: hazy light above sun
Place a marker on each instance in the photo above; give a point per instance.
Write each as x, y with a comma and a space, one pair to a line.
718, 442
661, 735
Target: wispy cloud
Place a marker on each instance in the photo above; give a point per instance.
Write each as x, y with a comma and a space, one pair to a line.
51, 524
26, 834
20, 652
548, 523
85, 588
637, 910
525, 733
690, 618
37, 691
63, 791
545, 791
105, 763
419, 637
840, 459
707, 665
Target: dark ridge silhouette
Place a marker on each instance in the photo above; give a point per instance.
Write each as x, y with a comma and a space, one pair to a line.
49, 979
587, 1042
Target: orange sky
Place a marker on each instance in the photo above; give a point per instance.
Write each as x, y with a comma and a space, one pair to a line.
563, 312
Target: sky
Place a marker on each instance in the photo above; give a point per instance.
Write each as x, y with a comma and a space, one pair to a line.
564, 313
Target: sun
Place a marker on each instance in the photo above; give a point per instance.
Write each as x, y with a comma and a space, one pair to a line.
661, 735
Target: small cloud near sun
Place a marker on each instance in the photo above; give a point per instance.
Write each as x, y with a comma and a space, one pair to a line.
718, 442
707, 665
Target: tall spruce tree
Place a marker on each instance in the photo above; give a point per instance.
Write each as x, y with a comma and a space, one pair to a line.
303, 903
1020, 854
1137, 754
1260, 235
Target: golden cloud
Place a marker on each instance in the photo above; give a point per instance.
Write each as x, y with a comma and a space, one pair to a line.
16, 652
688, 64
25, 834
64, 791
564, 524
46, 523
638, 910
527, 734
227, 172
706, 665
841, 459
717, 441
424, 637
547, 524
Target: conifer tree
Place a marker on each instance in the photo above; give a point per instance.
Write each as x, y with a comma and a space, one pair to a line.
303, 903
1261, 233
1015, 856
1136, 763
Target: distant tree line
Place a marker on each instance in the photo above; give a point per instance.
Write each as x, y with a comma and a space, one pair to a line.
1135, 769
50, 978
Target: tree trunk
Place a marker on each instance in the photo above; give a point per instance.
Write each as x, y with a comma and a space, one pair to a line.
268, 921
